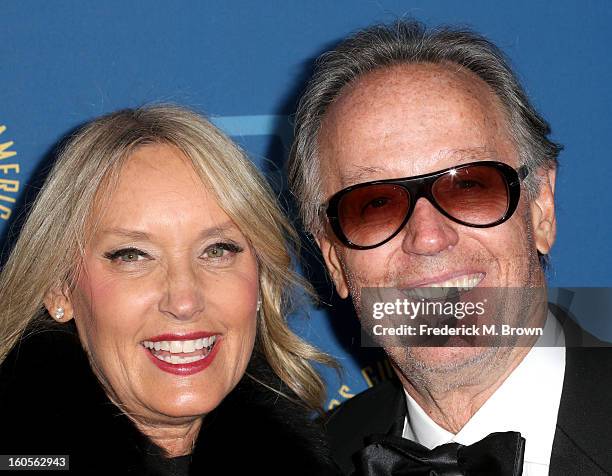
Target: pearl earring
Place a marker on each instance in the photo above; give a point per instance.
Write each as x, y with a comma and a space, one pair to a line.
59, 313
258, 305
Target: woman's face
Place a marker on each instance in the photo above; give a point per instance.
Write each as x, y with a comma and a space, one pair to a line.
166, 304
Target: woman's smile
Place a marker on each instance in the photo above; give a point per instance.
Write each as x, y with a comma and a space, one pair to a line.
182, 354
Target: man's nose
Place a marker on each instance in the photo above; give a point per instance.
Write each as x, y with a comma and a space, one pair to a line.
183, 296
428, 232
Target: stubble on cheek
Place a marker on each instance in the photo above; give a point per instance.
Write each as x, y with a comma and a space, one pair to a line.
519, 267
367, 277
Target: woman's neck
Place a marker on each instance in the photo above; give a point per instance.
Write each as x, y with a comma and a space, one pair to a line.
175, 440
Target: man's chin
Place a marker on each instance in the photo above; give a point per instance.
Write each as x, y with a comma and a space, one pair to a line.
439, 359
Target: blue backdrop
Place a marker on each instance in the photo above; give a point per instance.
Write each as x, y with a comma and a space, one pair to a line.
244, 63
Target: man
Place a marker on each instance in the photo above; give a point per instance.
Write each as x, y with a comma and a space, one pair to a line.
398, 102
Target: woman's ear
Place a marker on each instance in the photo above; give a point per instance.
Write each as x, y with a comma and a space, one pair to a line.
58, 305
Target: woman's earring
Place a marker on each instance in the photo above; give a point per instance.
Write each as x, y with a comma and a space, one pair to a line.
258, 305
59, 313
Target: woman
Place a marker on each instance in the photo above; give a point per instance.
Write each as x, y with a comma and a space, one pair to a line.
158, 251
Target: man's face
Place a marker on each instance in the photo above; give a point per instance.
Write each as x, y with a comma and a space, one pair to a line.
415, 119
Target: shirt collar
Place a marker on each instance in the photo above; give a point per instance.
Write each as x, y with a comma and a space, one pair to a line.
527, 402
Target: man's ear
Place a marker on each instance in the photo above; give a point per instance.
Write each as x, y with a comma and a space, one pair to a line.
58, 305
333, 264
543, 212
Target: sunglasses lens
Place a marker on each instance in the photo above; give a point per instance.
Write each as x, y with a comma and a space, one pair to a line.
477, 195
370, 215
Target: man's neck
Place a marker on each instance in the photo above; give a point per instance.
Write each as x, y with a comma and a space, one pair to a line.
452, 408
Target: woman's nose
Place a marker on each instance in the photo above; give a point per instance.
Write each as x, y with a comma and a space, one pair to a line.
183, 297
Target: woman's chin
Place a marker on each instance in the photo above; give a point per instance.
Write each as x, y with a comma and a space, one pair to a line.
184, 407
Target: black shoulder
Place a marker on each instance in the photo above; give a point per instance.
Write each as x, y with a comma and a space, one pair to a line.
52, 403
48, 361
377, 410
362, 405
585, 412
575, 335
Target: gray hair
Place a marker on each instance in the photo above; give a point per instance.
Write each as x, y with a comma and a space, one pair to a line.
409, 42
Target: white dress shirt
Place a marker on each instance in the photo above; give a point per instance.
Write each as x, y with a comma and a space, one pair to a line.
527, 402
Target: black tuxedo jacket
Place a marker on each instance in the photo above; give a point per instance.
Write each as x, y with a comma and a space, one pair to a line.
582, 443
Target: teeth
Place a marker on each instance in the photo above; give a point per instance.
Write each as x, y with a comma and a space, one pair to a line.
180, 346
177, 359
461, 283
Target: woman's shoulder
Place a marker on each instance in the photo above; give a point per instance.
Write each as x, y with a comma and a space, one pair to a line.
42, 368
52, 403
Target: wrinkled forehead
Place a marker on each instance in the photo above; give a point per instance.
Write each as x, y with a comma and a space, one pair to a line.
410, 120
148, 174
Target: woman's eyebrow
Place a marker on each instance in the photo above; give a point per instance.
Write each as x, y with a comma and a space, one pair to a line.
216, 230
125, 232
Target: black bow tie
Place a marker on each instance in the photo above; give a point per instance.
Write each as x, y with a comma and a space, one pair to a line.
499, 454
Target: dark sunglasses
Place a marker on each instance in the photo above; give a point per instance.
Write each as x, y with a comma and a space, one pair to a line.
478, 194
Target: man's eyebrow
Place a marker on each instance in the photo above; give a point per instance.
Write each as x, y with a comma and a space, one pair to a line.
357, 174
469, 154
217, 230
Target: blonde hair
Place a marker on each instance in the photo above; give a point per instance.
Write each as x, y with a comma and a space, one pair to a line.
49, 249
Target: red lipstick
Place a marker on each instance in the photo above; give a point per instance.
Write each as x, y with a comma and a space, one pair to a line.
188, 368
